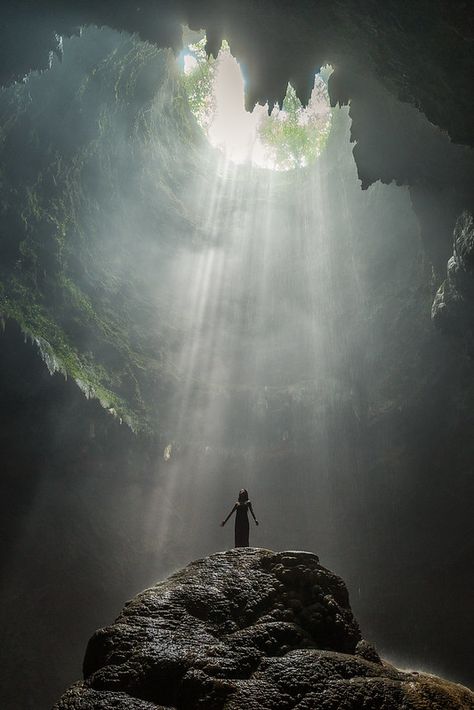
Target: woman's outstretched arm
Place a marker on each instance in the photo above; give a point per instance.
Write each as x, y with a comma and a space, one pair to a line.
224, 521
253, 514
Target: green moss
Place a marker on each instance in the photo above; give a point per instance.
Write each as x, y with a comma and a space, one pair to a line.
89, 126
59, 353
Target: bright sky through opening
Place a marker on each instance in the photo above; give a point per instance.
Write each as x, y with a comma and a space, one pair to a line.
254, 137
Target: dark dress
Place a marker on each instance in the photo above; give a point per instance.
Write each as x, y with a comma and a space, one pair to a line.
242, 523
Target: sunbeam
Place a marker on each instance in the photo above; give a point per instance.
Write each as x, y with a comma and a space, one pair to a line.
259, 331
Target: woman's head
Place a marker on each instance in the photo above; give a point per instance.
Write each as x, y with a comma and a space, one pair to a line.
243, 495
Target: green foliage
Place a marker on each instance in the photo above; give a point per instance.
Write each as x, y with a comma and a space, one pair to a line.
198, 84
99, 168
295, 136
291, 137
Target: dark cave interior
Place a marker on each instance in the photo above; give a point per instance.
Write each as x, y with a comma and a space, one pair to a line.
352, 428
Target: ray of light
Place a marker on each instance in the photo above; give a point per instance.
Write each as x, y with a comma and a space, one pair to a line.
256, 314
215, 267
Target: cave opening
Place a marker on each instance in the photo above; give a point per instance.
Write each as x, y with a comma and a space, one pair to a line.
238, 313
281, 137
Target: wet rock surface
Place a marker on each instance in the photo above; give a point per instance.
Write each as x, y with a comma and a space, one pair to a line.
452, 309
247, 628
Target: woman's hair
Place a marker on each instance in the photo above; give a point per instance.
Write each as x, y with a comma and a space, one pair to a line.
243, 495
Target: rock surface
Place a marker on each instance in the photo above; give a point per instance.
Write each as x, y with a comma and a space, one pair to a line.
421, 51
248, 628
452, 309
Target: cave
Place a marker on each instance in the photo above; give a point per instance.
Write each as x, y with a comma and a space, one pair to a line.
186, 312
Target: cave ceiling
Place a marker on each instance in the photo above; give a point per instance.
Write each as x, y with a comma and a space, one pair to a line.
405, 68
421, 52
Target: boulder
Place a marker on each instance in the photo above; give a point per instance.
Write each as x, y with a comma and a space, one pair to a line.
247, 628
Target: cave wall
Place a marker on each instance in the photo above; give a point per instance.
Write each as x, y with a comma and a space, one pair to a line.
73, 483
82, 165
112, 149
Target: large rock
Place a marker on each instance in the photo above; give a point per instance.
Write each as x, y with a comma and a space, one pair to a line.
452, 309
247, 628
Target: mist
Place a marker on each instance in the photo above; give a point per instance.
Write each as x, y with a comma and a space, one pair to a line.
232, 326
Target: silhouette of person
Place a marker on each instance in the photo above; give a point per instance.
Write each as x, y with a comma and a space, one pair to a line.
241, 510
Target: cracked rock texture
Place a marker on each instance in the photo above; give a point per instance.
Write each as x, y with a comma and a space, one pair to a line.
248, 628
452, 309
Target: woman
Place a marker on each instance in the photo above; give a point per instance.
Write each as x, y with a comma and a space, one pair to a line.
241, 509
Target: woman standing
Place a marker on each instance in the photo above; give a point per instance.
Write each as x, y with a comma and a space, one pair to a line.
241, 509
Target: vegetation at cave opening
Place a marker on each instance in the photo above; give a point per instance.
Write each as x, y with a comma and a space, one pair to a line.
296, 135
198, 83
292, 136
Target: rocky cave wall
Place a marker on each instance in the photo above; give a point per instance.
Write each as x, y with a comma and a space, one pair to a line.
419, 54
401, 426
76, 149
98, 137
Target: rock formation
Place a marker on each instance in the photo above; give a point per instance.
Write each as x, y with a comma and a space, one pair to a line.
452, 306
421, 51
248, 628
